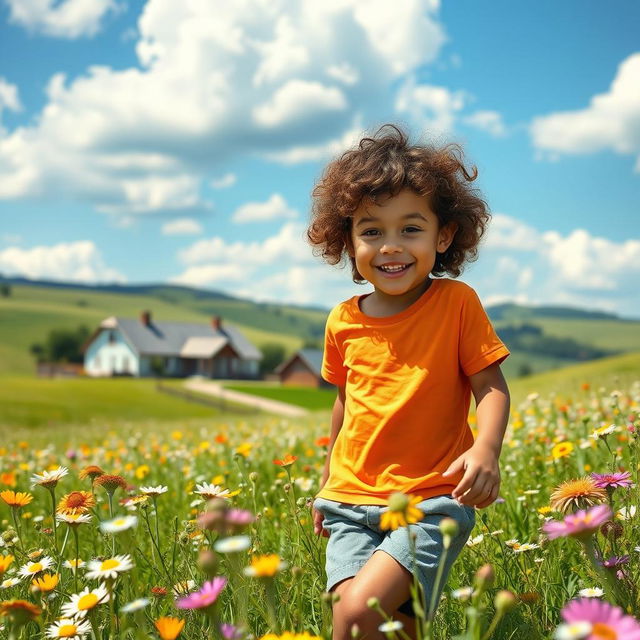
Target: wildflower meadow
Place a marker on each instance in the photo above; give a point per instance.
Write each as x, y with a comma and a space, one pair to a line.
207, 532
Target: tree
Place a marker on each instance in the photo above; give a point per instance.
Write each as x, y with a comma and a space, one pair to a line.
5, 289
62, 345
272, 356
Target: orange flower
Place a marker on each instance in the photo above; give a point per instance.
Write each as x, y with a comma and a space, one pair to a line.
47, 582
19, 611
14, 499
265, 566
287, 461
323, 442
5, 563
169, 628
92, 471
8, 478
221, 438
577, 494
110, 483
76, 502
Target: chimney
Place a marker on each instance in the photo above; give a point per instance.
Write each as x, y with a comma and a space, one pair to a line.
145, 318
216, 323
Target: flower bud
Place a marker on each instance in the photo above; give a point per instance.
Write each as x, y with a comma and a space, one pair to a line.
355, 631
449, 527
253, 476
485, 576
398, 502
208, 562
326, 597
504, 601
373, 602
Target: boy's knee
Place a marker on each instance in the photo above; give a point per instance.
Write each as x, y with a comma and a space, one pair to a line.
353, 609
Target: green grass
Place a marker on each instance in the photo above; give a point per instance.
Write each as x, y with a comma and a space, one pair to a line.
306, 397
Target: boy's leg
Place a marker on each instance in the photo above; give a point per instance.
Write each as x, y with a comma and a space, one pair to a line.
386, 579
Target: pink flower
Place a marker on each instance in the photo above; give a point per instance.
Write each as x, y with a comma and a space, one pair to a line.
613, 480
207, 595
579, 524
230, 632
607, 621
239, 517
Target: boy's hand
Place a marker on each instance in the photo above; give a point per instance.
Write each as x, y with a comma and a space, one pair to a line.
318, 519
481, 480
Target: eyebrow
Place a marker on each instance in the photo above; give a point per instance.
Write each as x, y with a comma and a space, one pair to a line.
407, 216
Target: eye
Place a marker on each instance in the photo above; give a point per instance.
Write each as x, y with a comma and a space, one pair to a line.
412, 229
370, 232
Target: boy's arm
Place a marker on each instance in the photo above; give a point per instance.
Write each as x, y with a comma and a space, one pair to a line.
481, 480
337, 417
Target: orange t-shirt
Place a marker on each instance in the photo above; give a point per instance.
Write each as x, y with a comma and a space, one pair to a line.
407, 392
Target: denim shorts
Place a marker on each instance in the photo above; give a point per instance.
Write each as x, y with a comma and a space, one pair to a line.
354, 535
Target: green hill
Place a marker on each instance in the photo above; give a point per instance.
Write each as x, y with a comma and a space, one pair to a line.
540, 338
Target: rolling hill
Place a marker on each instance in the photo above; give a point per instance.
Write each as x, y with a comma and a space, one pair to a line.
540, 338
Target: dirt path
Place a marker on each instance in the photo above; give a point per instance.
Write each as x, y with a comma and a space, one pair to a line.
272, 406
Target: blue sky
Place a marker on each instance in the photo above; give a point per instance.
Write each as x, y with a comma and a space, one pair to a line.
156, 141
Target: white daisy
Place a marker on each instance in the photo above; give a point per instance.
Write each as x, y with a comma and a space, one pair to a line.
49, 478
122, 523
573, 631
527, 546
33, 568
626, 513
305, 484
154, 491
472, 542
135, 605
603, 431
83, 602
74, 563
9, 582
464, 593
390, 626
232, 544
211, 490
74, 518
591, 592
109, 568
66, 628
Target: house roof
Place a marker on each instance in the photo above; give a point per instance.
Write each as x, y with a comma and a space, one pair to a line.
182, 338
311, 357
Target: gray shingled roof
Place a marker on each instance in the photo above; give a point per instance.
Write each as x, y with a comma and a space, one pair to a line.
311, 357
168, 338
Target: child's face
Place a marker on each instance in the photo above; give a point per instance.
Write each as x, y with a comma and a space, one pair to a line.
395, 242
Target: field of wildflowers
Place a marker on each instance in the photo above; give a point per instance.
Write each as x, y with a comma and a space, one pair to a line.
207, 533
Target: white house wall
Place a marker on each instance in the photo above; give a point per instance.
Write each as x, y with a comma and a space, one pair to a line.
105, 358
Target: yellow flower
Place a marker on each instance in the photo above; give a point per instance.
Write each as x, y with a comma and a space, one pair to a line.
244, 449
402, 512
142, 471
580, 493
544, 510
14, 499
176, 435
562, 450
265, 566
169, 628
48, 582
5, 562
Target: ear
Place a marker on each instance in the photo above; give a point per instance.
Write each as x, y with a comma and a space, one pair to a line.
446, 236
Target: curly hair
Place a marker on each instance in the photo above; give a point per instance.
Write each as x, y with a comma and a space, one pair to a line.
384, 165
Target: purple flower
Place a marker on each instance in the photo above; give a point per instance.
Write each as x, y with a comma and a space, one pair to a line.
615, 561
207, 595
608, 621
230, 632
580, 524
612, 480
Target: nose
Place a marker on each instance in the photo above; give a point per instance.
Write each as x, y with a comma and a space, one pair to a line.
390, 247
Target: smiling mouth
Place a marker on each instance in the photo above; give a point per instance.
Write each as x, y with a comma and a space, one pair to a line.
394, 268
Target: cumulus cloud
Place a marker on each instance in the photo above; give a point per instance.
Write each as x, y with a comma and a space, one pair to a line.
432, 108
275, 207
489, 121
65, 19
9, 99
226, 78
611, 121
181, 227
224, 182
74, 261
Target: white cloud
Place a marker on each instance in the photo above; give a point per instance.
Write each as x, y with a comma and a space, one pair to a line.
275, 207
298, 100
432, 108
230, 78
509, 233
489, 121
9, 96
74, 261
611, 121
64, 19
226, 181
181, 226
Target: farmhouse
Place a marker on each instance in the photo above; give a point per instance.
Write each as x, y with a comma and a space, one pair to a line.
303, 369
143, 347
